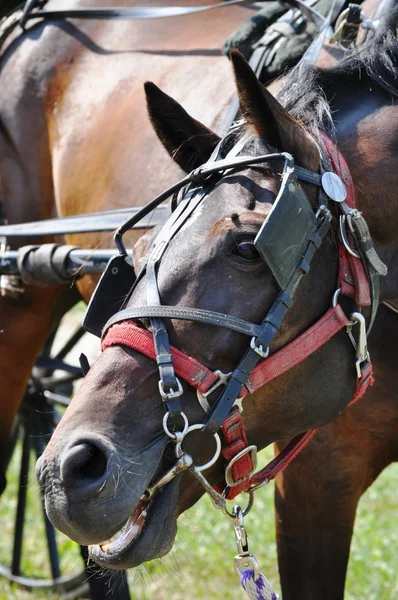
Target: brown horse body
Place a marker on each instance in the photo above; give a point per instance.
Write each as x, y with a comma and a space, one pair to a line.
314, 543
74, 137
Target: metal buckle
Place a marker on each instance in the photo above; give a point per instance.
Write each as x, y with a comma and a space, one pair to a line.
252, 450
171, 394
259, 349
202, 397
361, 347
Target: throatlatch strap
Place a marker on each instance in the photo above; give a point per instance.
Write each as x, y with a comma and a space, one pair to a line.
294, 447
298, 350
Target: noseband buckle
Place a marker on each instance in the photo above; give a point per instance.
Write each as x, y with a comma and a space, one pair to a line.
222, 379
172, 393
259, 349
252, 450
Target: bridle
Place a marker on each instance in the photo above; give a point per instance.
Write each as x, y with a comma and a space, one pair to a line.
292, 218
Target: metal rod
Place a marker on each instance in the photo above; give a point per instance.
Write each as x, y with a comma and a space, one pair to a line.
52, 383
54, 398
52, 364
70, 344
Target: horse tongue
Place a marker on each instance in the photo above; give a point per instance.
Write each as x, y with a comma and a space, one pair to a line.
130, 531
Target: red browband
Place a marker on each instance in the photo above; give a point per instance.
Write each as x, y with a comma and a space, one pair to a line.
353, 282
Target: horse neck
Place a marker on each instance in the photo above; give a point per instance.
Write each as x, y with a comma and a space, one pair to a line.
367, 130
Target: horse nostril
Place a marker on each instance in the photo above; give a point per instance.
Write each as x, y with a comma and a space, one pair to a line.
84, 465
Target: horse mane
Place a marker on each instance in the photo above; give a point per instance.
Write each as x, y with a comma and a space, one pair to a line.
308, 91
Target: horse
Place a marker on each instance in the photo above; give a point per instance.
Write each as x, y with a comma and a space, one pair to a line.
74, 138
212, 263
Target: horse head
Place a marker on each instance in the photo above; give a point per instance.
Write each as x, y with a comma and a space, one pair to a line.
110, 447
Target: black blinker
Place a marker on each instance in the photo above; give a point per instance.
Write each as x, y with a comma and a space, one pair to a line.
110, 294
284, 235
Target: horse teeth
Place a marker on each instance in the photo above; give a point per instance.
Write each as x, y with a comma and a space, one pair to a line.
129, 526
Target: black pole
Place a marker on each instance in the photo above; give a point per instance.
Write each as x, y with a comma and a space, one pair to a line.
21, 505
52, 548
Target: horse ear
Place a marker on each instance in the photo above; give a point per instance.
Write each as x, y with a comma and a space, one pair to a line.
269, 120
187, 141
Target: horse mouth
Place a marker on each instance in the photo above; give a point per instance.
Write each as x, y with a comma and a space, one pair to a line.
148, 533
130, 531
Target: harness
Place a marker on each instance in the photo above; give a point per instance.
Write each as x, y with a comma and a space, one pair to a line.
291, 222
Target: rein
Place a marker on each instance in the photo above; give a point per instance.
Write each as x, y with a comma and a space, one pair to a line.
156, 12
33, 10
257, 367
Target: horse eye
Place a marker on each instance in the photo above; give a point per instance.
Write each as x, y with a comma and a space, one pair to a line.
247, 251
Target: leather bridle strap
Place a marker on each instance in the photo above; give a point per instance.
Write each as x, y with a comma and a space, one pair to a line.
197, 375
366, 269
152, 12
207, 317
294, 447
241, 469
298, 350
128, 334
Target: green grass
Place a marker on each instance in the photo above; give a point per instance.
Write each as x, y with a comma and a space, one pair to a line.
201, 564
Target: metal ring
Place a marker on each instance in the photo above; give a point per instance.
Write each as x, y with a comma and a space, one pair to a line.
344, 238
182, 433
336, 297
248, 508
210, 463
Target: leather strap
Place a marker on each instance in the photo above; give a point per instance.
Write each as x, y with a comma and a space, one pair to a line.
233, 433
289, 453
198, 376
139, 13
371, 261
189, 314
201, 378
